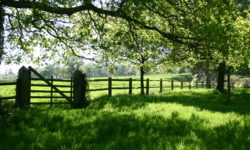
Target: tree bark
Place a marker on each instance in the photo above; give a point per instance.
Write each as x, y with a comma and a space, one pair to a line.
221, 76
208, 75
1, 32
142, 72
208, 85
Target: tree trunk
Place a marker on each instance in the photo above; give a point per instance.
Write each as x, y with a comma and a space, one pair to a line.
221, 77
208, 81
208, 75
1, 32
228, 85
142, 72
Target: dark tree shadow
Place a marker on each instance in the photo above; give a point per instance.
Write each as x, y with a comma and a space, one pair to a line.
96, 128
35, 129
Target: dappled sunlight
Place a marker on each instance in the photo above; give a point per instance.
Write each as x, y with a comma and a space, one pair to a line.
184, 120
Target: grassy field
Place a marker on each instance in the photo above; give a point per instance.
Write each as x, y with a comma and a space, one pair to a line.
179, 119
174, 119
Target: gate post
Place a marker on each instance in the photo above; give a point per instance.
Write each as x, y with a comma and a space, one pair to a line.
23, 88
79, 90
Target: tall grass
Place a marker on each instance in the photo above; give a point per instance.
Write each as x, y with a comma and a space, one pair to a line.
180, 119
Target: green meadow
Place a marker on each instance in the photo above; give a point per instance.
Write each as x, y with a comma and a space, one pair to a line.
175, 119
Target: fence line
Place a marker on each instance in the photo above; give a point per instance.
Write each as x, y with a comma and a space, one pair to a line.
130, 87
109, 88
172, 84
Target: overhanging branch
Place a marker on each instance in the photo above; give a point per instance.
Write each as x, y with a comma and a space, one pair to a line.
90, 7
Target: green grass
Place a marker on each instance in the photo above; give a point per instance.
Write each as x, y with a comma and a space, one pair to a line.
179, 119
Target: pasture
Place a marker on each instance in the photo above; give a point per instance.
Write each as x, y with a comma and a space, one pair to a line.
174, 119
179, 119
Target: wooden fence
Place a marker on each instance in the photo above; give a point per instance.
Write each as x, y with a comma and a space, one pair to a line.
69, 88
24, 89
51, 92
74, 91
174, 84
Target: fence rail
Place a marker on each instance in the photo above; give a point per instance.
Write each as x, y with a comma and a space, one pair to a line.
172, 84
7, 83
54, 84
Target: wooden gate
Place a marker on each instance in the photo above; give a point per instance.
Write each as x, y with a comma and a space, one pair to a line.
31, 84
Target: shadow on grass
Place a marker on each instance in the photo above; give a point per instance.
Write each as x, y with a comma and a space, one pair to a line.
97, 128
211, 100
79, 129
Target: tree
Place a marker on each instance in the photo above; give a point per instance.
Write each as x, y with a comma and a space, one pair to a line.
197, 24
135, 46
42, 18
221, 40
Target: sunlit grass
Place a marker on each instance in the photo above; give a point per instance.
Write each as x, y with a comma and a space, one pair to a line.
179, 119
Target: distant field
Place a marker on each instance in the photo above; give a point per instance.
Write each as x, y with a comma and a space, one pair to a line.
179, 119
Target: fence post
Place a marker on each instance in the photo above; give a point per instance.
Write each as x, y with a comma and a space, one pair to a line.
71, 88
80, 86
110, 86
23, 88
130, 86
202, 84
147, 90
181, 84
196, 85
161, 86
172, 85
189, 85
51, 91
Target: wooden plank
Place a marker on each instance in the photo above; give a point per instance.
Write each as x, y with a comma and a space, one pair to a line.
46, 97
94, 80
54, 87
120, 79
121, 88
44, 85
60, 80
7, 98
7, 83
44, 91
47, 103
155, 80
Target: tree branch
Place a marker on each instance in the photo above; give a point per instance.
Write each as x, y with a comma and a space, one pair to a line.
90, 7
